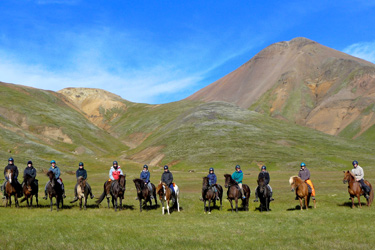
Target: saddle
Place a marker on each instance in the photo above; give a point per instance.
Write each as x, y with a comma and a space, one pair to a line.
309, 188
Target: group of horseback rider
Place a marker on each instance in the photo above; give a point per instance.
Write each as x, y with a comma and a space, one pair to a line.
167, 177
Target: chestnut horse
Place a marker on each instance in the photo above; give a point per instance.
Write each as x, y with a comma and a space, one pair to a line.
354, 188
11, 188
54, 189
302, 191
209, 195
235, 194
144, 193
165, 194
30, 188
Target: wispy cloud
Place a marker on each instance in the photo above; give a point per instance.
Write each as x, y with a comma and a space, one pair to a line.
364, 50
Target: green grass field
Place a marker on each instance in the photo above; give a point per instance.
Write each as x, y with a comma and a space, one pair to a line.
332, 225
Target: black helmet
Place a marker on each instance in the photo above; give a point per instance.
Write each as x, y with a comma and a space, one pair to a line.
211, 169
264, 167
238, 167
145, 166
80, 164
29, 162
10, 159
165, 167
115, 163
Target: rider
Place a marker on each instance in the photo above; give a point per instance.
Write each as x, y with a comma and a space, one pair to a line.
56, 170
31, 171
238, 176
115, 172
212, 181
304, 174
13, 167
359, 174
264, 174
81, 172
167, 178
145, 176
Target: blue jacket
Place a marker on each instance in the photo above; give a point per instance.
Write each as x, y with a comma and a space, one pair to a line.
211, 179
56, 171
145, 176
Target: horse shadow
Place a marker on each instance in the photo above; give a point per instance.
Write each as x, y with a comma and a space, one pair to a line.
53, 207
298, 207
264, 210
349, 204
152, 207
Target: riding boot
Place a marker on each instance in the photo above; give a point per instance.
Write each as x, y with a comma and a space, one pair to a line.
242, 194
271, 199
217, 195
296, 198
45, 197
256, 196
75, 194
91, 195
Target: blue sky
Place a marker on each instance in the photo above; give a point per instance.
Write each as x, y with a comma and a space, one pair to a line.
163, 51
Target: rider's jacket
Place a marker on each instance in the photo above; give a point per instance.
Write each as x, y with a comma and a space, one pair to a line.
56, 171
31, 171
167, 178
358, 172
265, 175
145, 176
212, 179
114, 174
81, 172
237, 176
12, 167
304, 174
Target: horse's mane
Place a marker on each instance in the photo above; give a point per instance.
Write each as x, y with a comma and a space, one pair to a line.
28, 179
294, 177
139, 182
231, 181
160, 187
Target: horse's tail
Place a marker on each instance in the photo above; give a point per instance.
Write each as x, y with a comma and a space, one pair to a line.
101, 198
23, 199
371, 199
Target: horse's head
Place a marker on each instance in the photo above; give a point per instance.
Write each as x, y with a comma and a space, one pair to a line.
348, 176
122, 180
261, 184
10, 175
81, 182
138, 185
28, 180
51, 176
293, 181
205, 181
228, 180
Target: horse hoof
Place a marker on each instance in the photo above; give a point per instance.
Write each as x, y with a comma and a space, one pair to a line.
209, 212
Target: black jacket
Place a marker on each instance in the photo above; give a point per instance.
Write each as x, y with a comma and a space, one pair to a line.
81, 172
15, 170
167, 177
30, 171
266, 177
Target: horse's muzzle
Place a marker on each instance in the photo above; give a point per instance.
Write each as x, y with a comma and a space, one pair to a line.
292, 189
344, 181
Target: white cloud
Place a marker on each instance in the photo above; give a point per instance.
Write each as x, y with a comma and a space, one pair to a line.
364, 50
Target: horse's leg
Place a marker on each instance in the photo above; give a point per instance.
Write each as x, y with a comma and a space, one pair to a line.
307, 202
108, 201
85, 201
209, 206
120, 203
51, 203
178, 204
300, 202
314, 203
80, 203
140, 204
162, 208
359, 201
352, 197
36, 198
236, 200
27, 201
204, 206
168, 206
231, 204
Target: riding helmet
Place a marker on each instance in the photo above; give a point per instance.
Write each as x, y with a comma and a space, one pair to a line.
80, 164
165, 167
10, 159
53, 161
355, 162
264, 167
145, 166
115, 163
303, 164
29, 162
211, 169
238, 167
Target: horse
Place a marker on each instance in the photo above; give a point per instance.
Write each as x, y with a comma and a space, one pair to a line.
354, 188
118, 191
264, 195
30, 188
234, 193
302, 191
82, 192
106, 193
54, 189
144, 193
11, 188
165, 194
209, 195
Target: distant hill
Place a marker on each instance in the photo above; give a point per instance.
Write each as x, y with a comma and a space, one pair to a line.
304, 82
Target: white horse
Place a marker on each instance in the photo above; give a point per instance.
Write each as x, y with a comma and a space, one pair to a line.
165, 195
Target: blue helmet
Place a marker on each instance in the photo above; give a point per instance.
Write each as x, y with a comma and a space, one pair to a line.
115, 163
53, 161
10, 159
145, 166
80, 164
264, 167
211, 169
165, 167
303, 164
355, 163
238, 167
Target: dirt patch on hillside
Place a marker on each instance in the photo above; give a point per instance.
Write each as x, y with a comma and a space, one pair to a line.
151, 156
136, 139
56, 134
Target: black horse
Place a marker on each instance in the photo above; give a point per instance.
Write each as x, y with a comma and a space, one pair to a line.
118, 191
209, 195
144, 193
30, 189
264, 194
235, 194
54, 189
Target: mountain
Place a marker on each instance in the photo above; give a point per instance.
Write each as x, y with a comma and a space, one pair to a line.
304, 82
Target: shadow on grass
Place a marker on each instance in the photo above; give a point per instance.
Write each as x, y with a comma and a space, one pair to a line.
298, 207
349, 204
264, 210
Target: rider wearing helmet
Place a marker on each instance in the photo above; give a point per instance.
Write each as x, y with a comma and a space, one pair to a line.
56, 170
212, 181
359, 175
167, 178
264, 174
145, 176
13, 167
304, 174
238, 176
31, 171
81, 172
115, 172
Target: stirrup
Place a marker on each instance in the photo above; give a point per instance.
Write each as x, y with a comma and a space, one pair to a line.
272, 199
45, 198
256, 200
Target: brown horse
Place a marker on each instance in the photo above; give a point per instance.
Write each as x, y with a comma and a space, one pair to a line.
118, 191
11, 188
209, 195
30, 188
235, 194
82, 192
165, 194
144, 193
264, 195
54, 189
354, 188
302, 191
